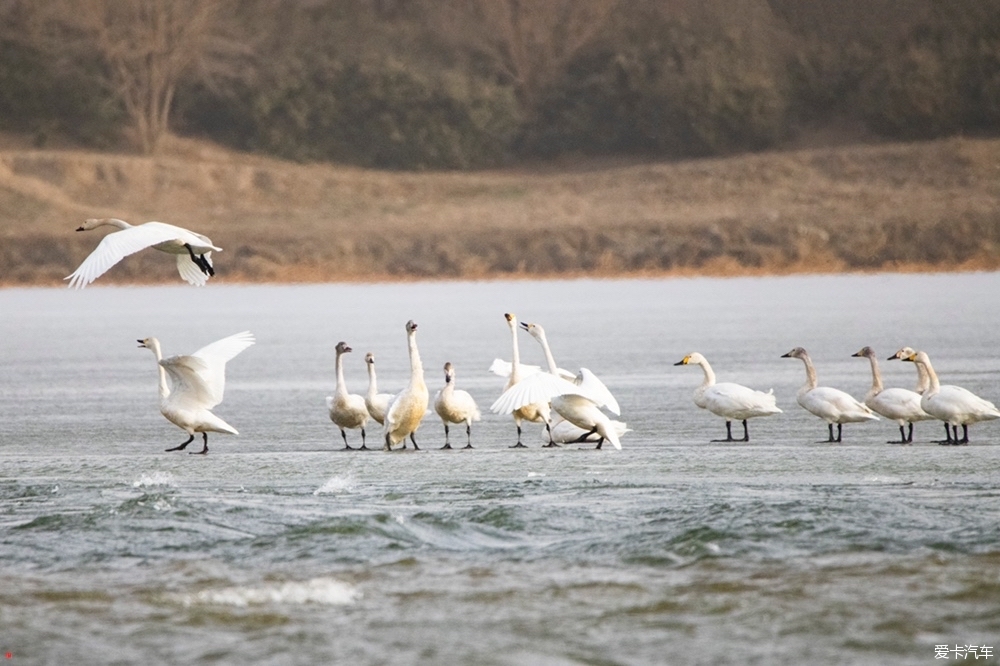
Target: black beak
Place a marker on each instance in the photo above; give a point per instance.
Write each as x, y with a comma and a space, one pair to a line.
891, 358
524, 325
80, 229
679, 363
856, 354
785, 356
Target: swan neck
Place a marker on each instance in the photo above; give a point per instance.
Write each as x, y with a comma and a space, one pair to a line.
515, 356
709, 374
548, 354
416, 367
341, 384
164, 387
115, 222
935, 385
811, 382
923, 379
876, 375
372, 381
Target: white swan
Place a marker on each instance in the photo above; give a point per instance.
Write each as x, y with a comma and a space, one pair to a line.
729, 400
899, 404
954, 405
377, 403
197, 384
194, 251
515, 371
830, 404
455, 406
347, 410
407, 409
923, 380
578, 402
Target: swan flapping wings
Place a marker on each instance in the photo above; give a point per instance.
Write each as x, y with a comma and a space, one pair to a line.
201, 376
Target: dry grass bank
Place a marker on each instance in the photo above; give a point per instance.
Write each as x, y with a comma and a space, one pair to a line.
922, 206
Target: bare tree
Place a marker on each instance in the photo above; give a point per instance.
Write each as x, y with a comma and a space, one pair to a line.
148, 45
530, 41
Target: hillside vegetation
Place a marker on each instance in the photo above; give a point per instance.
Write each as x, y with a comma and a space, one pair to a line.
932, 205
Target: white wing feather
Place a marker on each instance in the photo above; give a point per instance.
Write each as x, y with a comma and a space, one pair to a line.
208, 369
592, 387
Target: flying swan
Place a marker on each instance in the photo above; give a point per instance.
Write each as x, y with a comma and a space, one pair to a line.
898, 404
830, 404
347, 410
954, 405
194, 251
455, 406
729, 400
196, 385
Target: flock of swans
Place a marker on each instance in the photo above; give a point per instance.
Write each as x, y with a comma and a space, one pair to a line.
573, 407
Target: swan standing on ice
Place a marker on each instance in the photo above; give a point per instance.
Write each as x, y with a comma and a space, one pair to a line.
377, 403
830, 404
899, 404
954, 405
347, 410
729, 400
197, 383
578, 402
194, 251
407, 409
537, 412
455, 406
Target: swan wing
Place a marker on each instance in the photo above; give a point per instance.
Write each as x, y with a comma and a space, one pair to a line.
590, 386
117, 245
538, 388
190, 272
187, 378
502, 368
214, 357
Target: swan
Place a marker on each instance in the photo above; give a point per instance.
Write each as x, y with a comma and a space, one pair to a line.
347, 410
515, 371
899, 404
196, 385
377, 403
923, 381
729, 400
194, 251
830, 404
578, 402
407, 409
455, 406
954, 405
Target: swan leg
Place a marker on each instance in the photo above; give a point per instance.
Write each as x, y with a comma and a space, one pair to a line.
584, 436
902, 435
746, 431
184, 445
519, 445
839, 428
729, 432
552, 444
965, 435
346, 446
199, 261
207, 267
600, 442
947, 435
909, 437
468, 436
414, 440
830, 426
447, 444
363, 446
205, 449
388, 446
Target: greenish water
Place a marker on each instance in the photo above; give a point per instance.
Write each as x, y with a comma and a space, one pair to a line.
276, 548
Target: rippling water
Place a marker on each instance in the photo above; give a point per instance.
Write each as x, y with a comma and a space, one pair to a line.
277, 548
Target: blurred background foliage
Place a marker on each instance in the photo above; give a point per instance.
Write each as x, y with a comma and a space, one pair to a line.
461, 84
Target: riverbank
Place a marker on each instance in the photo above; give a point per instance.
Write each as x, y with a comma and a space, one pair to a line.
932, 206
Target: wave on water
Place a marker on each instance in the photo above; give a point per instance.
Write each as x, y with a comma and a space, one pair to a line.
322, 591
334, 486
155, 479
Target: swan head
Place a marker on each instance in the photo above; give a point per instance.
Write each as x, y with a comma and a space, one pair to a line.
798, 352
342, 348
511, 319
918, 357
694, 358
148, 343
449, 372
370, 358
903, 353
535, 330
865, 352
411, 327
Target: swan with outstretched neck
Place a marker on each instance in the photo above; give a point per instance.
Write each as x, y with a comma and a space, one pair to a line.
830, 404
377, 403
898, 404
197, 383
537, 412
954, 405
347, 410
455, 406
729, 400
578, 402
194, 251
407, 409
